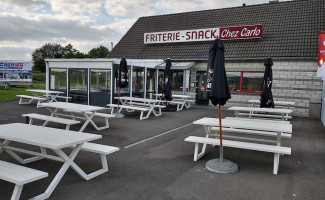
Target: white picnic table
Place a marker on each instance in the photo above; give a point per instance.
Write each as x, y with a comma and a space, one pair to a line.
50, 94
244, 127
180, 100
87, 112
286, 104
47, 139
133, 103
260, 112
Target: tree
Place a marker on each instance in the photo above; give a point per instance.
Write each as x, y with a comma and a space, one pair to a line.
70, 52
53, 51
46, 51
98, 52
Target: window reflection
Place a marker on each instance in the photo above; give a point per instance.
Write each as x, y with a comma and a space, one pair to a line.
58, 79
177, 79
100, 81
252, 81
151, 83
78, 87
137, 81
160, 81
234, 80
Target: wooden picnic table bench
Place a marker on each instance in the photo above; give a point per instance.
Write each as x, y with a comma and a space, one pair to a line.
285, 104
130, 104
31, 99
250, 132
87, 112
262, 112
130, 108
46, 118
19, 175
180, 100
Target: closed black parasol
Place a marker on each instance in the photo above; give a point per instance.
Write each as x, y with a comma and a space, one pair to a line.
123, 74
122, 83
219, 95
266, 96
167, 90
219, 89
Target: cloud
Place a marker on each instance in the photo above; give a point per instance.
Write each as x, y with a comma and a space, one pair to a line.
122, 25
86, 46
16, 52
18, 29
138, 8
25, 3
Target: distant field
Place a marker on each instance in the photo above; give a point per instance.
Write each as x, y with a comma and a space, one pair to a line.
11, 92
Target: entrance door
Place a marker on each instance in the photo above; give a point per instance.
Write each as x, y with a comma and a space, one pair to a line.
202, 94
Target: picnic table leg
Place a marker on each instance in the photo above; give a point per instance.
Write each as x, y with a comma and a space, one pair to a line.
147, 116
14, 155
152, 106
52, 114
3, 145
197, 155
102, 127
89, 119
68, 161
276, 163
17, 192
87, 177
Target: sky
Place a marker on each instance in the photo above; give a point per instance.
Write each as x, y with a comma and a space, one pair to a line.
86, 24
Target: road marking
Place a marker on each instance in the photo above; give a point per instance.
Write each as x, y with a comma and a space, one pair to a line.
156, 136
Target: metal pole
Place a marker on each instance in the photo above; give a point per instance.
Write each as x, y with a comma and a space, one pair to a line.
220, 132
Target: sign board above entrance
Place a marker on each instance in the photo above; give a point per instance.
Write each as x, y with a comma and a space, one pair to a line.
224, 33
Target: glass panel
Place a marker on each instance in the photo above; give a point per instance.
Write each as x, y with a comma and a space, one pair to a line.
78, 86
100, 87
234, 80
137, 81
58, 79
177, 80
160, 81
151, 84
100, 81
253, 81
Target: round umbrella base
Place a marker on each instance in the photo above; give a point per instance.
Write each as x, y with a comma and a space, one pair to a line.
119, 115
225, 167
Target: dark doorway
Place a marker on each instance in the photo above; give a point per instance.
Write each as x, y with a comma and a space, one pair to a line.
201, 93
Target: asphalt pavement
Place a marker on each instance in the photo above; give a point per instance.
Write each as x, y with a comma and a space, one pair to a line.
154, 162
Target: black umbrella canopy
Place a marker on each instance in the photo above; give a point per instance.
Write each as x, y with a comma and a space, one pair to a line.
167, 90
123, 74
266, 96
217, 78
219, 95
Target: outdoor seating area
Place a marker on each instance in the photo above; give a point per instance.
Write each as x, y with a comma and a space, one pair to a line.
140, 153
180, 100
41, 96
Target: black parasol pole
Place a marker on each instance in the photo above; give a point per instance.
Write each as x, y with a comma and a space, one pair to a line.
220, 134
